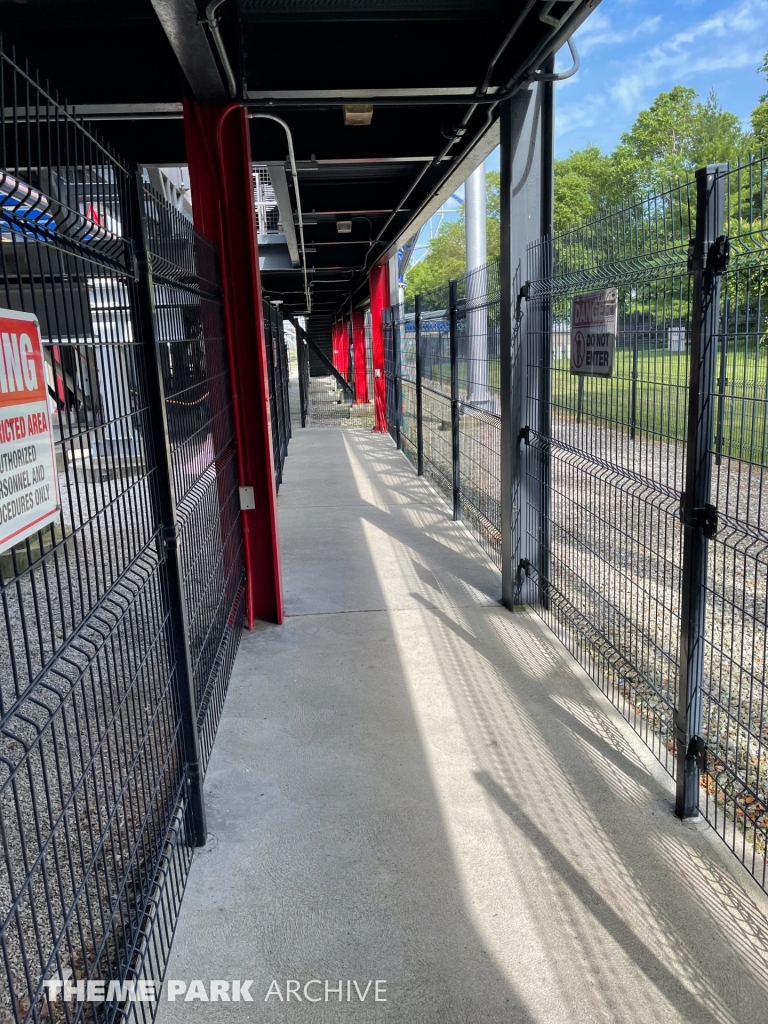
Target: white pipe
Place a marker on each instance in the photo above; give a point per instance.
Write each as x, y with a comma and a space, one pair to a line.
477, 319
295, 176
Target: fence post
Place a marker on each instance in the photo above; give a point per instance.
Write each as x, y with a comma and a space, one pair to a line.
164, 508
300, 357
706, 261
419, 424
396, 349
453, 317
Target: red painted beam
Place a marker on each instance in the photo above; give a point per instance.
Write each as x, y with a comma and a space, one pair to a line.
221, 179
361, 370
378, 284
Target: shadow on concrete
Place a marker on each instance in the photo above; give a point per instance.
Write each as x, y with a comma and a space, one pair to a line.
423, 788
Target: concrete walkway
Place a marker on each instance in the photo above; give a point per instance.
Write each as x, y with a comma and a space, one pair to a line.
412, 785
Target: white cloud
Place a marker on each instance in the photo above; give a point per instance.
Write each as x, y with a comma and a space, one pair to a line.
597, 31
720, 50
732, 38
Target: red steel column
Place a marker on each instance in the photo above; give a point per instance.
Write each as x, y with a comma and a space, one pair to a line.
361, 370
378, 284
343, 345
221, 179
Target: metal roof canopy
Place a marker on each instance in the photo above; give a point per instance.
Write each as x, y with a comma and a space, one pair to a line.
433, 71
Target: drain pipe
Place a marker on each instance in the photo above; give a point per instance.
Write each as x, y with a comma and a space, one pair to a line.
212, 21
295, 176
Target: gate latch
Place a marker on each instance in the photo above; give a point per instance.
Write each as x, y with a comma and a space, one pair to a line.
719, 254
697, 749
525, 434
704, 519
524, 566
715, 258
524, 293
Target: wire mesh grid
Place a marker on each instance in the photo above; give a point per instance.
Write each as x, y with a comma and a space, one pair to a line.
735, 787
598, 510
477, 350
92, 764
605, 465
189, 327
434, 341
265, 203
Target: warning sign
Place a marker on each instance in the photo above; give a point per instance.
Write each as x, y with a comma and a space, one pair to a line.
29, 493
594, 322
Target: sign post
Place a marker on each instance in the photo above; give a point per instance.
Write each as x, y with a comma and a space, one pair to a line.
594, 323
29, 491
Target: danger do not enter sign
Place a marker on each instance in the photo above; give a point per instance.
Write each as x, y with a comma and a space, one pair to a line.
29, 493
594, 322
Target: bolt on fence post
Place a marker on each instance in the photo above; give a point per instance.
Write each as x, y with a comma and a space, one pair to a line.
707, 257
164, 508
453, 321
419, 424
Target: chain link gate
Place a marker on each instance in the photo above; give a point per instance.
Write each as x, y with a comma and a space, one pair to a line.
121, 621
639, 515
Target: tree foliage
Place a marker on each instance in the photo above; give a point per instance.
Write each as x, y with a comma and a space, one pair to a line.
668, 140
760, 113
447, 255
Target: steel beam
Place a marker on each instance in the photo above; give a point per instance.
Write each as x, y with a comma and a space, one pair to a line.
526, 214
181, 22
221, 177
280, 184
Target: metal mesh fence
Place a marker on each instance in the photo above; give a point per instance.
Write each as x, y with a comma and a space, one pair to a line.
613, 458
93, 752
647, 556
476, 318
734, 796
611, 454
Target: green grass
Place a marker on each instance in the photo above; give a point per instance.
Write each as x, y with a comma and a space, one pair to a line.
661, 398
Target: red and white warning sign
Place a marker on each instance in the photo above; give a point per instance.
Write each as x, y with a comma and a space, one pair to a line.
594, 323
29, 492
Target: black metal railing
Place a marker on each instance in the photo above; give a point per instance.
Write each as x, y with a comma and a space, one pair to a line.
638, 511
120, 621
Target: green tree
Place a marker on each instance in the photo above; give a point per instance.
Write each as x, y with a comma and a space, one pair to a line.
668, 140
760, 113
446, 256
584, 181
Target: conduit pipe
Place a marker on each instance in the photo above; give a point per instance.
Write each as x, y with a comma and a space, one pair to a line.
212, 21
295, 176
510, 88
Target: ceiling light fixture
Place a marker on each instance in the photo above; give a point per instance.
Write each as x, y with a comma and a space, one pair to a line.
357, 113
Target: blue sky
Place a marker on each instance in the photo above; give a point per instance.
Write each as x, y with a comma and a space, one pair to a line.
631, 50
